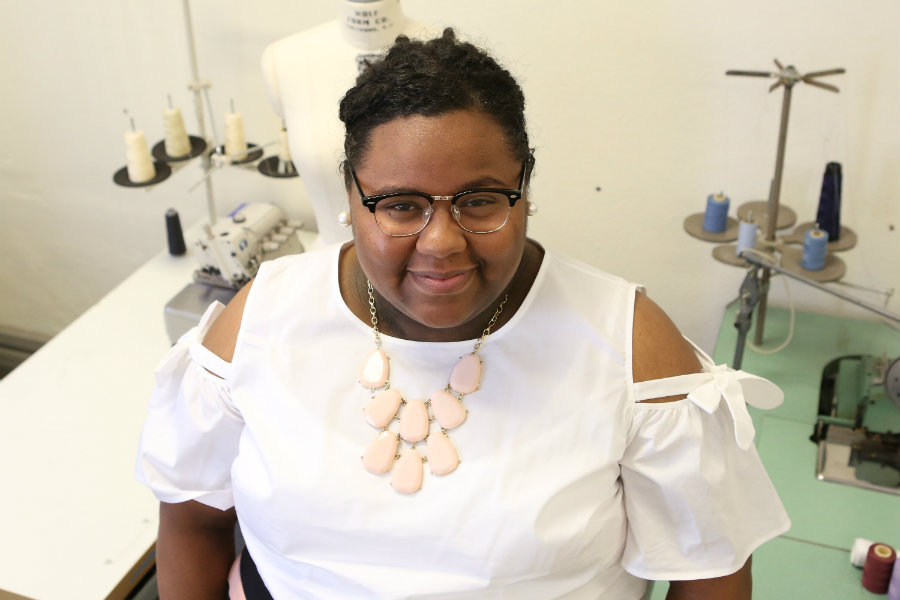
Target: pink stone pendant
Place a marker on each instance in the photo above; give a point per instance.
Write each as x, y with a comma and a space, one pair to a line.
374, 372
447, 410
414, 421
380, 454
382, 408
406, 477
466, 375
442, 456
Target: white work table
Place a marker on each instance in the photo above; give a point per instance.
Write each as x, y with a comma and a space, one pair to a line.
74, 522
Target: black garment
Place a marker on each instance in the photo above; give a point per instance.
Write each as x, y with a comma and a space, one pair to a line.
254, 588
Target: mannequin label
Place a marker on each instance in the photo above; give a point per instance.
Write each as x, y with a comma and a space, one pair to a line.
362, 59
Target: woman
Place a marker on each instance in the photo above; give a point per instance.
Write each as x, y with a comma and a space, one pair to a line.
584, 470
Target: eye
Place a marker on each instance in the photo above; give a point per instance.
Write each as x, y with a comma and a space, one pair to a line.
398, 206
401, 208
482, 201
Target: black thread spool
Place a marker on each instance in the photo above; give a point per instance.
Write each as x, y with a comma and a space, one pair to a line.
829, 214
174, 233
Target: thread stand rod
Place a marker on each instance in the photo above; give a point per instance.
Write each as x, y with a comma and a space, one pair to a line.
773, 205
754, 260
198, 86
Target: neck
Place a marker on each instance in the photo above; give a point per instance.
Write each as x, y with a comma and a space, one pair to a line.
371, 25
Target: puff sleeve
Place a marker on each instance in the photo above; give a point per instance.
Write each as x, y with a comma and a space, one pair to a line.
192, 429
697, 496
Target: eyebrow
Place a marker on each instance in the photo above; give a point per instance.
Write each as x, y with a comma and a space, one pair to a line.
483, 182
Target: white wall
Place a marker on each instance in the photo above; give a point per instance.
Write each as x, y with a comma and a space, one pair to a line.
630, 98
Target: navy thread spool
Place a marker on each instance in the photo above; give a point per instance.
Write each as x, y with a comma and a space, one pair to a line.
876, 575
815, 248
715, 219
174, 234
829, 214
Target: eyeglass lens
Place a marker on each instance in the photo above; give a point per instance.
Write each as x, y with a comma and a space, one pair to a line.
478, 212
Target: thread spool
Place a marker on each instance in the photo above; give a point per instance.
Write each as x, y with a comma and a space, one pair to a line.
815, 249
235, 141
176, 138
894, 586
746, 235
829, 214
715, 219
859, 551
284, 150
139, 164
174, 234
877, 571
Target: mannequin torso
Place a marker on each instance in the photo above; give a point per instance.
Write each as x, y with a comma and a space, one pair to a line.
307, 73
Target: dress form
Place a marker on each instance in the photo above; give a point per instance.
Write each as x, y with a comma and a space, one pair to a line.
307, 73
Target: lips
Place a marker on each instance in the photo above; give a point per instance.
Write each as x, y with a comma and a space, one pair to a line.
438, 282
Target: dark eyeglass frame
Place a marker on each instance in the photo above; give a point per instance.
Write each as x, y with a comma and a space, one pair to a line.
512, 195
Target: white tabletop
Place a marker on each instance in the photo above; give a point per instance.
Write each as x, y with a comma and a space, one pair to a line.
74, 523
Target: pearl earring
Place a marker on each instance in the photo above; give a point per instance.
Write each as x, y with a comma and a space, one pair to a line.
532, 209
344, 218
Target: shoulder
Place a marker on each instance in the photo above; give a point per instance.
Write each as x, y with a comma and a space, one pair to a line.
658, 348
222, 334
305, 39
273, 294
584, 284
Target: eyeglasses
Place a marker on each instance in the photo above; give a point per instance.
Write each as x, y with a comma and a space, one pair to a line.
402, 214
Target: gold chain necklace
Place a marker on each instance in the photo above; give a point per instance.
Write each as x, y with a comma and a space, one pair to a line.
416, 415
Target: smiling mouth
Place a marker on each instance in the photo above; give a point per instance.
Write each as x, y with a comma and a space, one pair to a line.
440, 283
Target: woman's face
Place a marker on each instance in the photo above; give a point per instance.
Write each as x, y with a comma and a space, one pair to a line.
443, 278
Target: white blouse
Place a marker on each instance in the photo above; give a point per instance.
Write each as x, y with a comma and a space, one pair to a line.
569, 486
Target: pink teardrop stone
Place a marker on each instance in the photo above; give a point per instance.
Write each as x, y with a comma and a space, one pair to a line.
380, 454
414, 421
381, 409
447, 410
442, 456
406, 477
466, 375
374, 372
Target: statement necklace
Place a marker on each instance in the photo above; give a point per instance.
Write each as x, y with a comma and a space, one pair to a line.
415, 415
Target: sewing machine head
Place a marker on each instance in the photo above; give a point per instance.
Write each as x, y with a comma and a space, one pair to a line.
233, 248
858, 426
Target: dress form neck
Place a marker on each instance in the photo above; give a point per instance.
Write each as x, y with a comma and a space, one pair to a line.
371, 25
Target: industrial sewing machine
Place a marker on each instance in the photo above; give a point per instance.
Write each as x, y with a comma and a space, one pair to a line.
858, 426
233, 248
229, 255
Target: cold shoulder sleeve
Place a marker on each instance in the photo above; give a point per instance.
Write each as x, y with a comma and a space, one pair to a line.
696, 494
191, 432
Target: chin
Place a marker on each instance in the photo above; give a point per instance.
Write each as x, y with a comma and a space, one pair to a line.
440, 319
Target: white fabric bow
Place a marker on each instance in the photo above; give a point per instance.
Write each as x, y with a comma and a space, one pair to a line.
738, 388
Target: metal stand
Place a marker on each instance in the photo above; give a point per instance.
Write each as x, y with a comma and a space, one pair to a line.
753, 290
787, 77
200, 87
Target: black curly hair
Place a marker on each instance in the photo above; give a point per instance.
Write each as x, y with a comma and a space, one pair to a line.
431, 78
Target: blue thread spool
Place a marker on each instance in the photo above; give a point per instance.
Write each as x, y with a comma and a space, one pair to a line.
746, 234
815, 247
715, 219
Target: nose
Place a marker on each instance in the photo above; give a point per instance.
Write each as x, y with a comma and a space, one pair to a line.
442, 235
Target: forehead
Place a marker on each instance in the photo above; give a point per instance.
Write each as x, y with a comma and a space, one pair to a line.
456, 145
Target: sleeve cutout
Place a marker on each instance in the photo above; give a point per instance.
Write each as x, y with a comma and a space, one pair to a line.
708, 388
